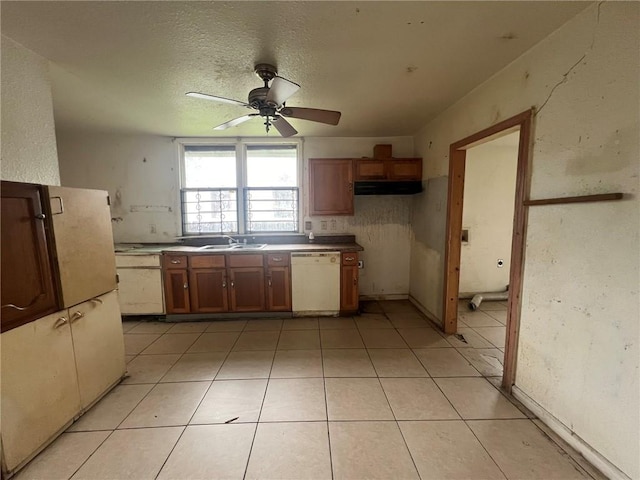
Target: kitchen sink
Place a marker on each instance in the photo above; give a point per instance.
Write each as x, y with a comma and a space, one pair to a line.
216, 247
235, 246
248, 246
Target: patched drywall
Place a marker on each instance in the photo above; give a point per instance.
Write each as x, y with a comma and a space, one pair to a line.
578, 341
141, 174
28, 150
487, 215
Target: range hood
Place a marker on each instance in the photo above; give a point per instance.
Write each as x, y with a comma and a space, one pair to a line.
387, 188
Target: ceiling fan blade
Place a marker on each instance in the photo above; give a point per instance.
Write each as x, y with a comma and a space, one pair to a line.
281, 89
236, 121
284, 127
217, 99
313, 114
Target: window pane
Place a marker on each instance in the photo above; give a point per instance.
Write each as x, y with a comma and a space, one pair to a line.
209, 166
209, 211
271, 209
272, 166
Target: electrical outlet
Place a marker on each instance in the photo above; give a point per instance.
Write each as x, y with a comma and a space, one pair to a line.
323, 225
333, 224
360, 263
308, 225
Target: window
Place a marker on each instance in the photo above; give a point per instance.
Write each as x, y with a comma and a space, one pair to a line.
242, 188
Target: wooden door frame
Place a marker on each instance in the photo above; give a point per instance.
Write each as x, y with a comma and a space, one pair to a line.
457, 157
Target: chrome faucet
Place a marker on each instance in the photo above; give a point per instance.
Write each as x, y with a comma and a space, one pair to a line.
231, 240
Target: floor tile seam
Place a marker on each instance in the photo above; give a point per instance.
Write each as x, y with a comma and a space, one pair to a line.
326, 409
170, 452
255, 431
414, 355
485, 448
485, 338
404, 440
177, 353
570, 455
137, 404
225, 361
91, 455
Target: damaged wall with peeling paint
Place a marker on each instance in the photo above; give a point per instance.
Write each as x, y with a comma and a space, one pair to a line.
141, 174
578, 344
28, 132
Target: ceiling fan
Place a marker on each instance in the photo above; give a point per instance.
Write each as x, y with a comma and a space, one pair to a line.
270, 103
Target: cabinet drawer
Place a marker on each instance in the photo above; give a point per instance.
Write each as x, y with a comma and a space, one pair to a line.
277, 259
174, 261
207, 261
134, 261
349, 258
239, 260
367, 169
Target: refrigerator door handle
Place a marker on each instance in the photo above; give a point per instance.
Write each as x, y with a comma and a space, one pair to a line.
61, 206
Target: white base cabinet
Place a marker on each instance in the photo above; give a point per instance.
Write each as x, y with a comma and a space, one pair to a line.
53, 369
140, 288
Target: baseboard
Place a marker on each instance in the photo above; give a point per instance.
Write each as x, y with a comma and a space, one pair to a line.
574, 441
425, 311
390, 296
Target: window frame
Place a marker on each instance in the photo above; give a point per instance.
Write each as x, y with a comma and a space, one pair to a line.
240, 145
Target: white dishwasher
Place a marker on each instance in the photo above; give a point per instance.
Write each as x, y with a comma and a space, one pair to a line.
315, 283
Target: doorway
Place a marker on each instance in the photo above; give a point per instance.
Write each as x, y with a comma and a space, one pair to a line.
453, 247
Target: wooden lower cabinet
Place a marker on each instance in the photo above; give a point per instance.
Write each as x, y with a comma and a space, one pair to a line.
247, 289
176, 290
349, 292
208, 290
279, 289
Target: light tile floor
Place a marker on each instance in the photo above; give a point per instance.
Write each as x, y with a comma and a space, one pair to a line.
381, 395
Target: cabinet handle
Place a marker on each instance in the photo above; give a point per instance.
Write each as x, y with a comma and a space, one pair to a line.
349, 259
276, 259
60, 322
176, 262
269, 282
186, 286
76, 316
97, 300
26, 307
41, 216
224, 284
350, 186
355, 281
233, 284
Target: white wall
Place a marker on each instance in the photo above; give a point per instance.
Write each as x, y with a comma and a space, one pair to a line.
487, 214
143, 171
28, 152
578, 343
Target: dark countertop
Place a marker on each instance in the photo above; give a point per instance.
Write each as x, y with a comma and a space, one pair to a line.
308, 247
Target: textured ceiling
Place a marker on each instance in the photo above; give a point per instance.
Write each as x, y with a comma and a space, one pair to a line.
388, 66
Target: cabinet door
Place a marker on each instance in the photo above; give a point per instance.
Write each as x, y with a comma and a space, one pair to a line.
39, 385
370, 169
349, 288
279, 289
330, 186
405, 169
140, 291
176, 291
208, 290
28, 290
86, 261
247, 289
98, 343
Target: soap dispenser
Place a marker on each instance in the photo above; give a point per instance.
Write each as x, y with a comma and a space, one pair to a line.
311, 237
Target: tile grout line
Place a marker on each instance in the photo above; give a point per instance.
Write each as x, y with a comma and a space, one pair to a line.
485, 448
326, 403
264, 396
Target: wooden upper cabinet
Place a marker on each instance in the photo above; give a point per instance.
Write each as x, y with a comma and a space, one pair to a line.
330, 186
408, 169
388, 169
28, 288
